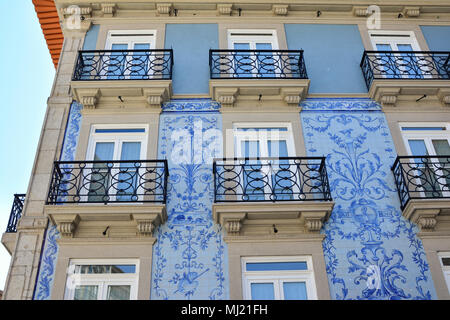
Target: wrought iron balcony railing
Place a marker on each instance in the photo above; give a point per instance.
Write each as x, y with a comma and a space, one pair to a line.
425, 65
16, 212
422, 177
251, 64
271, 179
124, 65
108, 181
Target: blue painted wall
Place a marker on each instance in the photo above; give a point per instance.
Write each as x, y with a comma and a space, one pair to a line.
90, 41
332, 56
371, 251
191, 44
437, 37
189, 257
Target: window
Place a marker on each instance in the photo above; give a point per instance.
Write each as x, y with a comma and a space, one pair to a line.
102, 280
125, 143
248, 64
425, 139
401, 65
257, 143
278, 278
123, 64
445, 264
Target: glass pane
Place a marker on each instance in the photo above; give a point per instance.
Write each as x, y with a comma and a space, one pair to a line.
283, 178
446, 262
418, 147
97, 269
140, 62
441, 147
85, 293
383, 47
276, 266
386, 62
116, 62
254, 179
423, 128
99, 175
262, 291
244, 65
266, 63
127, 185
119, 130
118, 293
408, 62
294, 291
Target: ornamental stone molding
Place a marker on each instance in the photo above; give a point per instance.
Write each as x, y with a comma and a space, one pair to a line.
164, 8
155, 97
444, 96
224, 9
106, 222
108, 9
411, 12
280, 219
280, 9
431, 215
360, 11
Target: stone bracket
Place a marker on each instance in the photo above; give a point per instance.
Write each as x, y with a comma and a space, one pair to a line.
66, 224
108, 9
164, 9
224, 9
411, 12
428, 213
155, 97
444, 96
280, 9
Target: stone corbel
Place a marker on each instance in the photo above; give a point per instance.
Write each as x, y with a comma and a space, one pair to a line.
75, 19
425, 218
224, 9
108, 9
280, 9
89, 98
146, 223
314, 220
360, 11
388, 97
411, 12
156, 97
227, 97
163, 8
66, 224
233, 223
292, 96
444, 96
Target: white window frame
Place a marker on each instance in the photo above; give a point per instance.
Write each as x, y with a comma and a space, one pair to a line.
427, 136
445, 269
394, 38
278, 277
102, 280
117, 139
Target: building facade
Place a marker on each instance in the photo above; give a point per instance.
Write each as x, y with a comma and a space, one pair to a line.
239, 150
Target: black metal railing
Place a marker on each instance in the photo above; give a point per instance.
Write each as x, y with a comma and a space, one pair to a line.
422, 177
431, 65
250, 64
108, 181
16, 212
124, 65
271, 179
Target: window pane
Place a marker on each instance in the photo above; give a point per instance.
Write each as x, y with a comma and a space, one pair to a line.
442, 148
98, 178
262, 291
294, 291
116, 61
418, 147
104, 151
446, 262
276, 266
118, 293
126, 188
119, 130
86, 293
423, 128
98, 269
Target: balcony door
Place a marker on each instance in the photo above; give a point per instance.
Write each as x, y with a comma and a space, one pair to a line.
130, 65
253, 64
400, 65
263, 178
433, 173
115, 181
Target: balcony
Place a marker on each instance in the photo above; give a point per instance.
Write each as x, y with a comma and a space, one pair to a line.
254, 195
129, 190
393, 74
104, 75
258, 75
9, 237
423, 184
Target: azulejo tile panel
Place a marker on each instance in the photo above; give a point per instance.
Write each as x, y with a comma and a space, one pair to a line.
189, 256
45, 277
371, 251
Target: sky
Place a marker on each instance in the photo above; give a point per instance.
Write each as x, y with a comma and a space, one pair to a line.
26, 78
